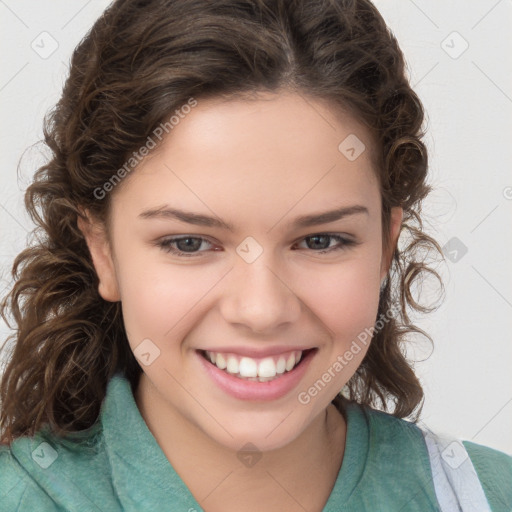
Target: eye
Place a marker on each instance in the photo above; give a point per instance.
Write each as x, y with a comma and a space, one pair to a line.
188, 246
323, 241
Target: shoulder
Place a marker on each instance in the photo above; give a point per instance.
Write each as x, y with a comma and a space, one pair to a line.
494, 470
396, 433
388, 455
49, 473
398, 448
399, 441
389, 438
17, 490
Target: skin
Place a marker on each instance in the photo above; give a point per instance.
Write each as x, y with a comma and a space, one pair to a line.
257, 163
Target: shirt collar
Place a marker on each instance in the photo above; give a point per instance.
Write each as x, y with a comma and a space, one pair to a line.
355, 458
141, 473
143, 476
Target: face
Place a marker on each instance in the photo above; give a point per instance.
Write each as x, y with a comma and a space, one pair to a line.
243, 311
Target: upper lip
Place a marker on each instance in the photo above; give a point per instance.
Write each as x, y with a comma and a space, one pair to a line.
258, 352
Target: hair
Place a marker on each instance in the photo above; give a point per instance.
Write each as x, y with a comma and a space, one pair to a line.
140, 62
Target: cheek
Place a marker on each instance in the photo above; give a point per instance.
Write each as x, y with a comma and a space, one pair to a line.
346, 296
159, 300
346, 302
347, 308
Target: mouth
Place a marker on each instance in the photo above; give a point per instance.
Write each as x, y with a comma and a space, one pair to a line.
256, 369
264, 378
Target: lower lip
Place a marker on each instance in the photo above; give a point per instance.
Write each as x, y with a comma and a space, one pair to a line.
253, 390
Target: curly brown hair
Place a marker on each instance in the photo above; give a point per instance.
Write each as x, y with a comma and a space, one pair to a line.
141, 60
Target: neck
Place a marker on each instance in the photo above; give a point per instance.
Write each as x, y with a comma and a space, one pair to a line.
297, 476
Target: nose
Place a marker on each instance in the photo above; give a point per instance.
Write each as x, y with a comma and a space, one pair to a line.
259, 296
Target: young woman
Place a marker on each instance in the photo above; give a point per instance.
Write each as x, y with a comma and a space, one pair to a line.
216, 306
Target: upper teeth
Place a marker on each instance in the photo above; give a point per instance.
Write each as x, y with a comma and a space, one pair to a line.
266, 368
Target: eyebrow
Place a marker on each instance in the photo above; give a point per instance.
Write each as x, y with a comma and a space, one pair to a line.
165, 212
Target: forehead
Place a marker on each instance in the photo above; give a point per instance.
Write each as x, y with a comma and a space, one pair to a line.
275, 122
285, 148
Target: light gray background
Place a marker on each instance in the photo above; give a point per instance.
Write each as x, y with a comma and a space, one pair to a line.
468, 99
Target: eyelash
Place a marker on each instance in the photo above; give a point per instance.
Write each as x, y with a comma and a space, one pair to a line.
166, 244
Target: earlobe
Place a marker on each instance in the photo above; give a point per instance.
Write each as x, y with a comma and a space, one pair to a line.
99, 247
395, 228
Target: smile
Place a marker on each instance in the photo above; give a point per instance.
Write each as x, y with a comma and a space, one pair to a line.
262, 370
251, 378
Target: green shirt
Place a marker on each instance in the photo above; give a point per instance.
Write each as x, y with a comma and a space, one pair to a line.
117, 465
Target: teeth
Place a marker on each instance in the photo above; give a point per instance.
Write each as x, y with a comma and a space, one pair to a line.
261, 370
249, 368
218, 359
233, 365
267, 368
281, 365
290, 362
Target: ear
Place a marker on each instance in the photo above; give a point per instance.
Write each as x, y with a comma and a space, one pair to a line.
99, 247
394, 228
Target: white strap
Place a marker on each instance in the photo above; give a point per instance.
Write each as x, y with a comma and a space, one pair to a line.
457, 486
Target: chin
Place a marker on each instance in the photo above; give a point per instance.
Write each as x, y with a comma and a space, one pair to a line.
266, 431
